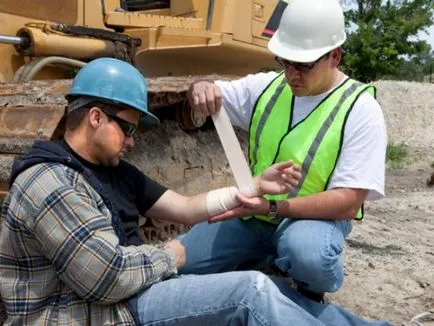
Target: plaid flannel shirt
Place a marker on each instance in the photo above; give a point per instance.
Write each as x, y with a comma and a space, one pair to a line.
60, 260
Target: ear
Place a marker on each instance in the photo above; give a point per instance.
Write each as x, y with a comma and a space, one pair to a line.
94, 117
336, 55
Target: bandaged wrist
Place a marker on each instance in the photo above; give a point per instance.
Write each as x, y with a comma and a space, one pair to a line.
221, 200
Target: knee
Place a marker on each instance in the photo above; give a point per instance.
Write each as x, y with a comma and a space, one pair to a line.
317, 267
321, 271
255, 281
320, 258
311, 252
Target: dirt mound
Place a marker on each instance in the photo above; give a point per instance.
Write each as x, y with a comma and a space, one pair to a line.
409, 112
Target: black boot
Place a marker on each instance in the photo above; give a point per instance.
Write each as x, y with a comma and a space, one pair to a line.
315, 296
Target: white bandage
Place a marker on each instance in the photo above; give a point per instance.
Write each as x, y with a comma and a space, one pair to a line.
234, 153
221, 200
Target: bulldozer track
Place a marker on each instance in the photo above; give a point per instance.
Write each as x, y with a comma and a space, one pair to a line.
34, 110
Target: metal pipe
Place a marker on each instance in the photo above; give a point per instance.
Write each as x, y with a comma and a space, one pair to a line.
210, 15
44, 44
51, 60
14, 40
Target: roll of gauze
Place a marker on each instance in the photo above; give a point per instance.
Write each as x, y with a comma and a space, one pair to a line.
234, 153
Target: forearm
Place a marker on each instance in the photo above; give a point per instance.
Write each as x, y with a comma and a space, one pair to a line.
126, 269
335, 204
177, 208
87, 256
200, 207
256, 183
194, 210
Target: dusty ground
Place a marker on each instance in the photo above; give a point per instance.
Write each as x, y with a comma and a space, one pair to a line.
389, 257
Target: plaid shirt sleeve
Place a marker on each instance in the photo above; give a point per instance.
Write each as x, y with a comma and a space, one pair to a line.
74, 229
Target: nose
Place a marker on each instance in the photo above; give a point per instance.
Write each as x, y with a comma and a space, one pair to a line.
129, 142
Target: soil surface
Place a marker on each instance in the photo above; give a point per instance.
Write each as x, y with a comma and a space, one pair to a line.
389, 257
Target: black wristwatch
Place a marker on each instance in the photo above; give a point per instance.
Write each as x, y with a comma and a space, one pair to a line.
272, 212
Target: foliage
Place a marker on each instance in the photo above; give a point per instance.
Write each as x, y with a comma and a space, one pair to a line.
396, 155
382, 37
416, 69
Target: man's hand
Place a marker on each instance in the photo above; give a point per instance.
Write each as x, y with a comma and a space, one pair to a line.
279, 178
179, 250
248, 206
205, 97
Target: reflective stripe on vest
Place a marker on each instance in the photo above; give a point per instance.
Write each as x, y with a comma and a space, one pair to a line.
314, 143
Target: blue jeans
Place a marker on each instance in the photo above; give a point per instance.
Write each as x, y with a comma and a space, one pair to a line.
237, 298
308, 250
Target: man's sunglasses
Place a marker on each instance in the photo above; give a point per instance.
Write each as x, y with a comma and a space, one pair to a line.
128, 128
299, 66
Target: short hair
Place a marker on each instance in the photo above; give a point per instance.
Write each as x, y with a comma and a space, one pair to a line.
76, 116
73, 119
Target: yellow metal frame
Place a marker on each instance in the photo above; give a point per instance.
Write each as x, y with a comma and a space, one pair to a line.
233, 36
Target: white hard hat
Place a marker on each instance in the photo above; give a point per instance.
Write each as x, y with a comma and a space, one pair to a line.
308, 29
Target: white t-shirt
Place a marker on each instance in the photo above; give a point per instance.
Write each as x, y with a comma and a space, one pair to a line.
362, 160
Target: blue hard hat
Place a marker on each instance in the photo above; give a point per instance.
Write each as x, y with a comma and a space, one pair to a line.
116, 81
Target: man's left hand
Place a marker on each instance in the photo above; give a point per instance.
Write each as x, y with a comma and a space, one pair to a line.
279, 178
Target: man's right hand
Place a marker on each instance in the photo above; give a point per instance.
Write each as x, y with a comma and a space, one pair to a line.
179, 250
205, 97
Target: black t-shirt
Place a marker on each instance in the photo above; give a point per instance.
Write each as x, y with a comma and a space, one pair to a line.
131, 192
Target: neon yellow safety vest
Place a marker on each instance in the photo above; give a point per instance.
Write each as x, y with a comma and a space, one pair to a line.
314, 143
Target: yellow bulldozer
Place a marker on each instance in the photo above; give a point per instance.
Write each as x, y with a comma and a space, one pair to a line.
172, 42
161, 37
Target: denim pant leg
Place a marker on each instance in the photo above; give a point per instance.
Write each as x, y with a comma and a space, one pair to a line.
329, 314
235, 299
224, 246
310, 252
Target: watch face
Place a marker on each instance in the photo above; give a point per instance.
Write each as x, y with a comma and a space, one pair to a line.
272, 213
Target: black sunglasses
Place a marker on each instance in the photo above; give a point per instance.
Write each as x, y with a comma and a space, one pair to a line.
128, 128
301, 67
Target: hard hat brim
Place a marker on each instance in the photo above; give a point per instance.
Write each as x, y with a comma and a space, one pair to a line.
298, 54
149, 119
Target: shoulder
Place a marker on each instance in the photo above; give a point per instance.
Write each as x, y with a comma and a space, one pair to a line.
366, 109
42, 180
254, 82
51, 172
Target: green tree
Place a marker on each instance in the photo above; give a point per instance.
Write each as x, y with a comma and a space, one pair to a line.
382, 35
416, 68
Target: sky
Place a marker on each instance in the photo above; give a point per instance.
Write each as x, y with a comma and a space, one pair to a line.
430, 37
